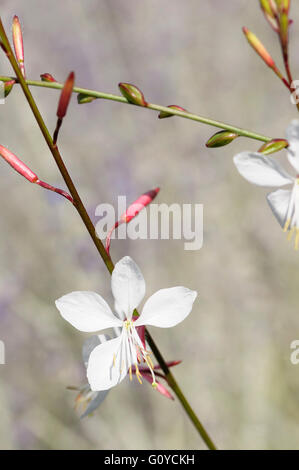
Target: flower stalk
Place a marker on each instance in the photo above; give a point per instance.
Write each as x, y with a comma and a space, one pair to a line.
173, 111
90, 227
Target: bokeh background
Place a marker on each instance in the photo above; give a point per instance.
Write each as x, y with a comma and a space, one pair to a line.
235, 345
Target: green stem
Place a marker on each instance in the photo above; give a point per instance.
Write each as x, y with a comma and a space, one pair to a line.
154, 107
90, 227
175, 387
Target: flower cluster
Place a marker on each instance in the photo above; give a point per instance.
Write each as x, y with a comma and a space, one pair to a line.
110, 361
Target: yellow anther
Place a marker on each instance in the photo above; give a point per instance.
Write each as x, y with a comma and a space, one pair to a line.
154, 385
128, 324
130, 373
138, 375
149, 361
286, 225
114, 360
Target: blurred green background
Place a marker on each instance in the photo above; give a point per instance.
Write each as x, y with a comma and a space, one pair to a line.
235, 345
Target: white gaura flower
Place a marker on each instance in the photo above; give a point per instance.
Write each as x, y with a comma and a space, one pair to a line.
110, 361
262, 170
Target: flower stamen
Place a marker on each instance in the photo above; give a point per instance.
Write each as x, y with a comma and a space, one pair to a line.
138, 374
286, 225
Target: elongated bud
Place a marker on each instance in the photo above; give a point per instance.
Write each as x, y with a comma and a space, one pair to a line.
18, 165
132, 211
8, 87
164, 114
221, 138
138, 205
132, 94
283, 5
284, 30
273, 146
259, 48
25, 171
273, 7
17, 38
65, 96
266, 7
81, 98
47, 77
270, 12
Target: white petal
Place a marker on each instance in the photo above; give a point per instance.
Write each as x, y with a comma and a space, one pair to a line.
261, 170
279, 203
90, 344
292, 134
119, 312
108, 364
95, 403
167, 307
128, 286
86, 311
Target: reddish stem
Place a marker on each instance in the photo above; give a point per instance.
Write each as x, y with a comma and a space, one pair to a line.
55, 190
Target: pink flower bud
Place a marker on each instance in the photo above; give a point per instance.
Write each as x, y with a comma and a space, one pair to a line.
25, 171
138, 205
18, 165
132, 211
18, 43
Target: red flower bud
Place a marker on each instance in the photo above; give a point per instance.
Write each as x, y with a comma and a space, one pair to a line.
132, 211
47, 77
65, 96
